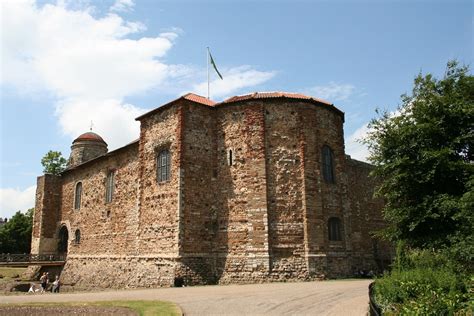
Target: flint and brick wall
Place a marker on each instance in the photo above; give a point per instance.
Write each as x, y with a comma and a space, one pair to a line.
241, 197
159, 201
262, 216
324, 200
46, 214
369, 252
285, 191
108, 230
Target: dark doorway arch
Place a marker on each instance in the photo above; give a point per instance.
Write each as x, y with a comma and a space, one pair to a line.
63, 240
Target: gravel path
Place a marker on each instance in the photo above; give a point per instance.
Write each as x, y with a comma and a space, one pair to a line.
344, 297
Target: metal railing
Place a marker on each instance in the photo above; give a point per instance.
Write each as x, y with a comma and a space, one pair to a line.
26, 257
374, 309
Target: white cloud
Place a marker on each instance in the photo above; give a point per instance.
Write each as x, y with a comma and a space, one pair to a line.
235, 79
122, 5
90, 64
110, 117
86, 62
74, 54
332, 91
354, 147
13, 200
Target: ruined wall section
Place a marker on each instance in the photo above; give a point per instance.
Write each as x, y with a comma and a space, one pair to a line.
46, 215
242, 222
368, 252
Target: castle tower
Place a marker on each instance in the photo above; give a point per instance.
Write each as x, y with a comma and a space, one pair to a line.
86, 147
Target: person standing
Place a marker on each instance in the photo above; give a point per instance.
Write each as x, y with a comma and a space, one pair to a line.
56, 285
47, 281
43, 281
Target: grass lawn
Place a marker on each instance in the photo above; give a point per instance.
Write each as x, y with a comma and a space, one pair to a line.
8, 274
11, 272
143, 308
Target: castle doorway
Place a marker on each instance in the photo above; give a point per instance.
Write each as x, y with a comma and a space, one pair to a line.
63, 240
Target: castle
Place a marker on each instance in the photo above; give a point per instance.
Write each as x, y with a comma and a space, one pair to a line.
252, 189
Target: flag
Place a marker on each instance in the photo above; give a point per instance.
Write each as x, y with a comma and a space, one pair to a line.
214, 65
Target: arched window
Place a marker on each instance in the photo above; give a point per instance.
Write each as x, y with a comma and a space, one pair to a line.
77, 196
328, 164
77, 236
63, 240
109, 186
163, 163
334, 229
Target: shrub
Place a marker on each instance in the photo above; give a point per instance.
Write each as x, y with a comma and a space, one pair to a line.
424, 283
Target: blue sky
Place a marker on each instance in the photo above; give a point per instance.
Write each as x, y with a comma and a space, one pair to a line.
65, 63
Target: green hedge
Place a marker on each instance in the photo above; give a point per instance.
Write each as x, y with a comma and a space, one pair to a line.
425, 283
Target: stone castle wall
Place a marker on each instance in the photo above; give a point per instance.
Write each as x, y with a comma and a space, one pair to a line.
245, 202
324, 200
159, 201
82, 151
198, 209
369, 252
107, 230
242, 238
46, 214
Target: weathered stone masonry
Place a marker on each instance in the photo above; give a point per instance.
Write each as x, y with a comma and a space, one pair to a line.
246, 200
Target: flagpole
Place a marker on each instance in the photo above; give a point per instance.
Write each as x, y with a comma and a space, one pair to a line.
207, 59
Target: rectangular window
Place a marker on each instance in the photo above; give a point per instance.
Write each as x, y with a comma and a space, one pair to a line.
109, 187
163, 166
334, 229
328, 164
78, 196
231, 158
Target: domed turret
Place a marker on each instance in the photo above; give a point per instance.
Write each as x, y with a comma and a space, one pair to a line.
86, 147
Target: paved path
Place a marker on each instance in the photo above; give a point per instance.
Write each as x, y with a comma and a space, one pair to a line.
304, 298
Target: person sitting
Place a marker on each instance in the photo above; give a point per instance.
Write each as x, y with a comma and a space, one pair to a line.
34, 288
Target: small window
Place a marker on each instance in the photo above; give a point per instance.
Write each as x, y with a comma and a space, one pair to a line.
77, 196
77, 236
334, 229
328, 164
109, 186
231, 158
163, 166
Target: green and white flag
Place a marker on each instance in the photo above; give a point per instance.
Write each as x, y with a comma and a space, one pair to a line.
214, 65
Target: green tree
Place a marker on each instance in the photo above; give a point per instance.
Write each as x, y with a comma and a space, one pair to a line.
425, 157
53, 162
15, 235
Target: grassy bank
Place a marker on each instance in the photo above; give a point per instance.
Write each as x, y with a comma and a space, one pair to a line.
9, 273
142, 308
